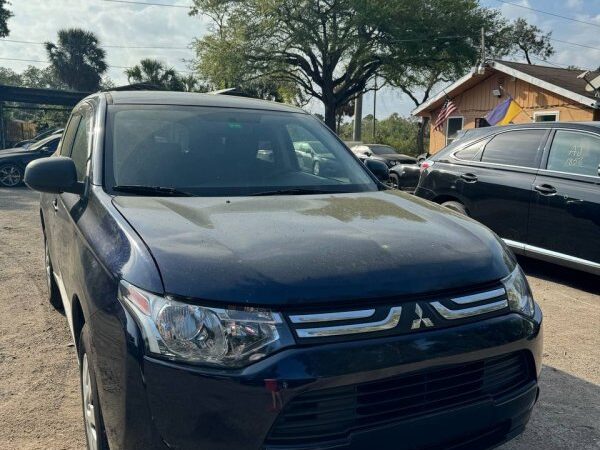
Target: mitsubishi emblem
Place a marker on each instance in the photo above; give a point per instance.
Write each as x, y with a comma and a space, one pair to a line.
420, 319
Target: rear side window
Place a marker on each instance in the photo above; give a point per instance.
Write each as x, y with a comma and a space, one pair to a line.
79, 154
69, 135
515, 148
574, 152
472, 152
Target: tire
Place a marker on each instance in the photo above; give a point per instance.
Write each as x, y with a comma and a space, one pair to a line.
316, 168
456, 206
394, 181
54, 297
93, 423
11, 175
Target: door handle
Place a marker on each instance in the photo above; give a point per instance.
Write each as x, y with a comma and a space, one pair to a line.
55, 204
545, 189
469, 177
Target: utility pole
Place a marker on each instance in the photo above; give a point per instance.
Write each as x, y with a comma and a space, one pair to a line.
375, 112
357, 135
482, 46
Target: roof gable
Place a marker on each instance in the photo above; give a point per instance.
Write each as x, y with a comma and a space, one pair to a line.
563, 82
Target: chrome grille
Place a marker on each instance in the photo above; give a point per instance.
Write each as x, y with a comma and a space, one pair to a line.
405, 317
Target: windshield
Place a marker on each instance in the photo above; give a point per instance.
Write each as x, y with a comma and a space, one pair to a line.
382, 150
222, 152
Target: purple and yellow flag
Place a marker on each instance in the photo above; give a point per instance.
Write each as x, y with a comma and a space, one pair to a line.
504, 112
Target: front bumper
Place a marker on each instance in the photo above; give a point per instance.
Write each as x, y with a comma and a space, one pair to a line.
199, 408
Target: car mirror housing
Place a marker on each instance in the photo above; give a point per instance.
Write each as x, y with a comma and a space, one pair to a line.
379, 169
53, 175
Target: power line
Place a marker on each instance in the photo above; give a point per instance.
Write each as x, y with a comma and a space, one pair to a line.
131, 2
110, 66
560, 16
575, 43
149, 47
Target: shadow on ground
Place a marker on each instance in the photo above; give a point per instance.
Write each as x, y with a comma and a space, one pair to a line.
561, 275
567, 416
18, 198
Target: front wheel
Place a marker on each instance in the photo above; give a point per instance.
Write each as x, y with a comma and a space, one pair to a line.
11, 175
92, 415
456, 206
394, 181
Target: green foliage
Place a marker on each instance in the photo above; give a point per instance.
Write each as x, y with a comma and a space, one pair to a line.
5, 14
528, 40
155, 72
325, 49
77, 59
396, 131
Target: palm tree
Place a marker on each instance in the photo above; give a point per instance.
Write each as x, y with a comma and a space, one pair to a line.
77, 59
153, 71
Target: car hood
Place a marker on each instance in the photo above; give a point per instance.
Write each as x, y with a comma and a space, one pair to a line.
14, 151
287, 250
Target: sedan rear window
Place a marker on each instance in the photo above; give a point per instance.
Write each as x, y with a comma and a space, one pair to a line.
224, 151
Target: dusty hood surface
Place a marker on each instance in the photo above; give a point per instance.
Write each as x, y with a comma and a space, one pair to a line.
328, 248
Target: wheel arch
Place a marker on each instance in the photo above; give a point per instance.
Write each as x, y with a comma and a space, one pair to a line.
78, 318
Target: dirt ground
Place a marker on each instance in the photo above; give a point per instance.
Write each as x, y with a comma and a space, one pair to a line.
39, 387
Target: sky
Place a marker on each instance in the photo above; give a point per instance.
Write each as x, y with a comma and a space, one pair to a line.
119, 23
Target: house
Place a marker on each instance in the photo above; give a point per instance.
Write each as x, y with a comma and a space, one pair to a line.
544, 93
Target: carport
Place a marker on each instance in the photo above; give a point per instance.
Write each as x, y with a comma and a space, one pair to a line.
13, 97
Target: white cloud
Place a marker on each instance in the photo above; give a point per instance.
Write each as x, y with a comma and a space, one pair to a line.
574, 4
113, 23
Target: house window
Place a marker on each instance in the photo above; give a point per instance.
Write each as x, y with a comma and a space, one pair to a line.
455, 124
545, 116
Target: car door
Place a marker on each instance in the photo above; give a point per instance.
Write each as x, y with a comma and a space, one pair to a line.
49, 202
70, 206
565, 212
496, 187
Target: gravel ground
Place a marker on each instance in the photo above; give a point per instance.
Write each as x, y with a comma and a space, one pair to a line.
39, 388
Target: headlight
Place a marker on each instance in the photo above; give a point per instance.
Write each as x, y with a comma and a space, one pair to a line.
519, 294
199, 334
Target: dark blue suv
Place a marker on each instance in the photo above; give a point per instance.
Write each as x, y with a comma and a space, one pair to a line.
222, 297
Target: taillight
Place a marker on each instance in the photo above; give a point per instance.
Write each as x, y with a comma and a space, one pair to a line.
425, 165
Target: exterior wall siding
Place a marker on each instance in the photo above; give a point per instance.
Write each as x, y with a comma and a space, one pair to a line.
478, 101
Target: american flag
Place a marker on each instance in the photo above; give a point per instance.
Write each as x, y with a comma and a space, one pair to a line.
448, 108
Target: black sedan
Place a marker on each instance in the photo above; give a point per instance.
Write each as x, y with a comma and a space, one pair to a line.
405, 177
14, 160
383, 153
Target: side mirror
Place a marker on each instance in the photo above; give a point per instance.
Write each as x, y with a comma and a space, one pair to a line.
53, 175
377, 168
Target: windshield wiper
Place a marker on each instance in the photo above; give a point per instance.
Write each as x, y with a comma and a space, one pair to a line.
151, 190
291, 191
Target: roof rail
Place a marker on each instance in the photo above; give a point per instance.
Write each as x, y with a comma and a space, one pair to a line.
235, 91
136, 87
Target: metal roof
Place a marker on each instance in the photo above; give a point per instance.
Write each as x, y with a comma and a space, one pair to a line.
40, 96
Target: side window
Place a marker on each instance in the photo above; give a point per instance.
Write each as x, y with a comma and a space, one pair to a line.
79, 153
574, 152
515, 148
69, 135
472, 152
